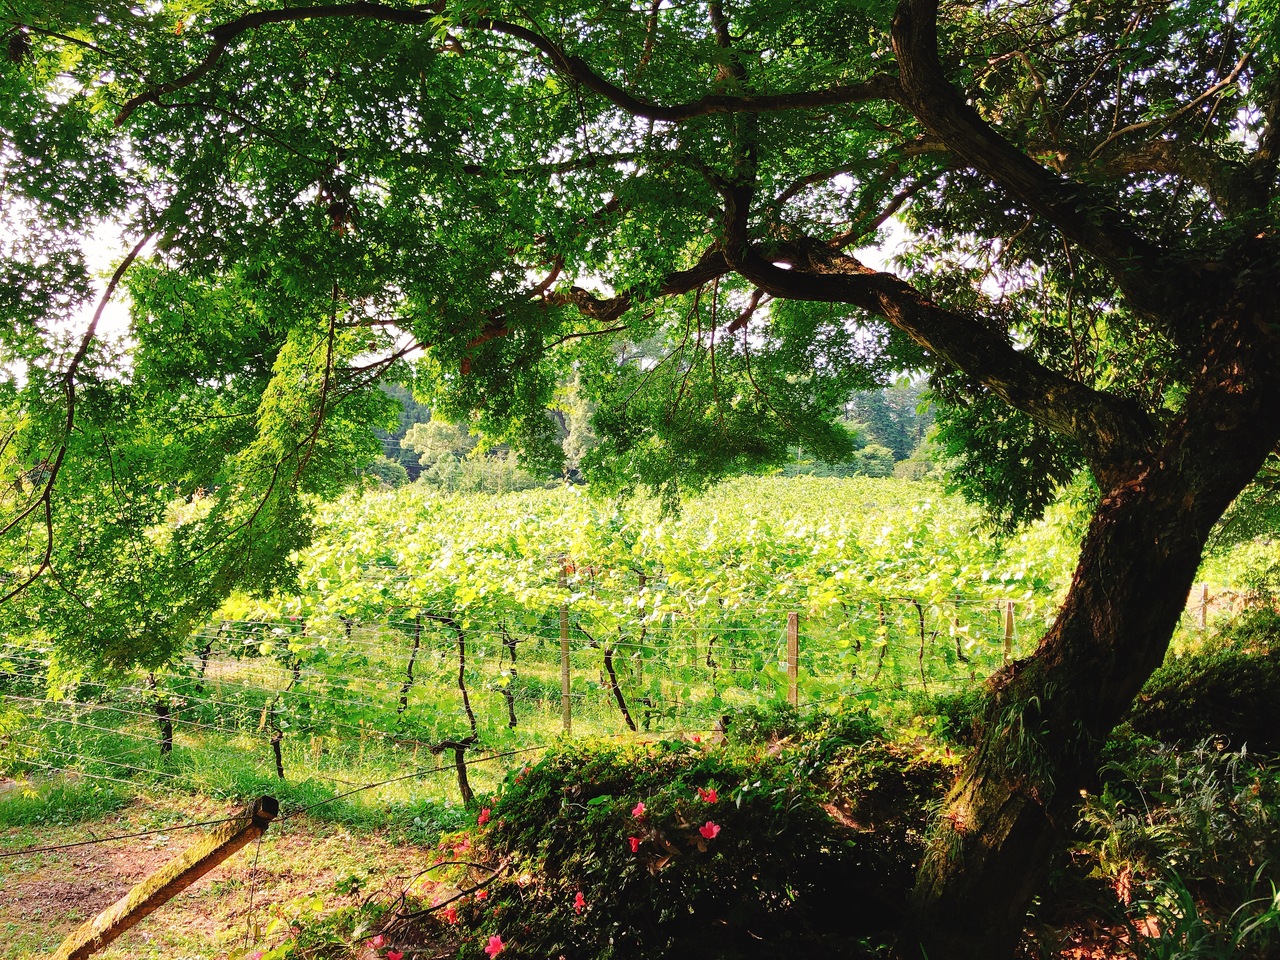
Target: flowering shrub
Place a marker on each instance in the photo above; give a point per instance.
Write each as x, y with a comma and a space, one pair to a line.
677, 849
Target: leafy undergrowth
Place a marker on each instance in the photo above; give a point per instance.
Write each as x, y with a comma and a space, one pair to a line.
1229, 690
1177, 851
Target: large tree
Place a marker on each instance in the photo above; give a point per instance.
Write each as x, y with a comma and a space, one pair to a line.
666, 202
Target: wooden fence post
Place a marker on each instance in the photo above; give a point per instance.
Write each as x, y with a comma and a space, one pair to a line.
793, 659
170, 880
1204, 606
1008, 632
566, 704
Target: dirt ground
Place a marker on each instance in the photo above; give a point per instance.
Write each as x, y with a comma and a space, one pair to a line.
227, 913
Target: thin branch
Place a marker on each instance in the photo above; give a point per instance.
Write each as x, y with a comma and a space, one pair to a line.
585, 333
45, 498
1164, 122
860, 230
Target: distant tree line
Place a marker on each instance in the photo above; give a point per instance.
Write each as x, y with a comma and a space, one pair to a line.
889, 429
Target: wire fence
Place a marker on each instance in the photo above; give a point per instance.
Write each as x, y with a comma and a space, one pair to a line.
373, 706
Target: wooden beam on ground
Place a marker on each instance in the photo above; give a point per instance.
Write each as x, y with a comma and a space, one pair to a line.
171, 879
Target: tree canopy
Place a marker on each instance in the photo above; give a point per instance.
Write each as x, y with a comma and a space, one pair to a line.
665, 202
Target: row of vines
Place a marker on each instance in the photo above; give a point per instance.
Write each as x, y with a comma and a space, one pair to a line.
450, 627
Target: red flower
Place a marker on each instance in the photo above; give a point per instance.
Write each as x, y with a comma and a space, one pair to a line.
395, 955
484, 817
707, 796
482, 894
635, 844
696, 738
710, 830
579, 902
378, 941
638, 810
450, 914
495, 946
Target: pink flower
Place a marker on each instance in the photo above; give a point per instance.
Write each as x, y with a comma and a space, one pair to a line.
579, 902
256, 956
638, 810
635, 844
395, 955
710, 830
484, 817
377, 942
495, 946
482, 894
450, 914
707, 796
696, 738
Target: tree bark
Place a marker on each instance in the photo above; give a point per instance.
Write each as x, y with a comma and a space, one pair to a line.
1049, 715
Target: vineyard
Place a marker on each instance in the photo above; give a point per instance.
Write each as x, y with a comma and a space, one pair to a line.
430, 632
434, 644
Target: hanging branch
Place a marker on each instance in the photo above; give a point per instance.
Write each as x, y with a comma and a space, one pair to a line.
456, 627
960, 654
924, 683
408, 673
270, 709
711, 661
205, 652
613, 678
639, 654
277, 735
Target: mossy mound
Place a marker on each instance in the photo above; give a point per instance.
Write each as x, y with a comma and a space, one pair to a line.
757, 849
1230, 692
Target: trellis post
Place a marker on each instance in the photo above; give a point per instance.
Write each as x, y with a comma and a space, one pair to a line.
793, 659
1008, 632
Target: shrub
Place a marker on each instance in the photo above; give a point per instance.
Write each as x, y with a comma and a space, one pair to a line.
1203, 815
1223, 693
741, 851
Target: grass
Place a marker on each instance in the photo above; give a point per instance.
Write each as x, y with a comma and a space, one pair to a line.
59, 803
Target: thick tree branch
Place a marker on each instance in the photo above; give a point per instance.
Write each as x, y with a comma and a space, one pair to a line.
1135, 264
879, 87
1229, 185
711, 265
1110, 430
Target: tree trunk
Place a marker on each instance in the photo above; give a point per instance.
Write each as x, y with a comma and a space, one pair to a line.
1049, 715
